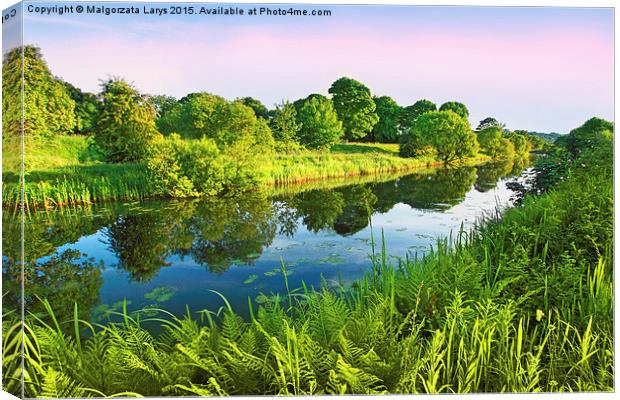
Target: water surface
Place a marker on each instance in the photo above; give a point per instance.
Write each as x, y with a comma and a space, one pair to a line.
173, 254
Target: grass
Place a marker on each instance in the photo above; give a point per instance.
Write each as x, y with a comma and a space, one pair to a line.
348, 160
66, 172
524, 303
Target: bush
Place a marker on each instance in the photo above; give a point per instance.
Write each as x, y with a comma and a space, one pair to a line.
190, 168
125, 125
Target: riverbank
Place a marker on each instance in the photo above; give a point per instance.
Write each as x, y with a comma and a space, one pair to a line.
75, 177
523, 304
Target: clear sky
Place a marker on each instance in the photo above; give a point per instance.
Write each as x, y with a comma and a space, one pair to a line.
546, 69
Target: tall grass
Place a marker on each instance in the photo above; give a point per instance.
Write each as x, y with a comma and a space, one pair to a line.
524, 303
310, 166
80, 185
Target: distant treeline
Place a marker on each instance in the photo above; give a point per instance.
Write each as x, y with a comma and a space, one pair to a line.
205, 144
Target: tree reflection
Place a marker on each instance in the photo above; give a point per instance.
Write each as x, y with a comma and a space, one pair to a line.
319, 209
490, 173
359, 202
439, 191
63, 280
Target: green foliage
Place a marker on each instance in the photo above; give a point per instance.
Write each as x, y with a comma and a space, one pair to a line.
259, 108
490, 122
47, 105
459, 108
190, 168
355, 107
203, 115
86, 108
162, 104
285, 127
320, 125
125, 125
520, 142
387, 128
412, 112
448, 133
587, 136
491, 141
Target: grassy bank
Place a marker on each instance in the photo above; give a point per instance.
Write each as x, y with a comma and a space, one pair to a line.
523, 304
68, 173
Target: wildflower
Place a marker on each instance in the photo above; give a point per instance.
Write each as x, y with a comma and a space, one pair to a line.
539, 315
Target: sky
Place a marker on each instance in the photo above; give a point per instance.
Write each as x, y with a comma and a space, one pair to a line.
534, 68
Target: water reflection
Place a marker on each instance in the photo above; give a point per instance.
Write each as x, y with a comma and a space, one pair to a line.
140, 240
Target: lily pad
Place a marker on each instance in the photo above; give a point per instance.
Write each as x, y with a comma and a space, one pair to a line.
251, 279
161, 294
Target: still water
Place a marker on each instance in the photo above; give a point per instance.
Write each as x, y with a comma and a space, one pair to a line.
173, 254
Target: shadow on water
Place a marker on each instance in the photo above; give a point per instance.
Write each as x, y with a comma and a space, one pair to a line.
99, 254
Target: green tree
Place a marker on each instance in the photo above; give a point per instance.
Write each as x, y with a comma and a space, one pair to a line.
300, 102
259, 108
285, 126
387, 129
410, 113
459, 108
125, 126
204, 115
48, 108
447, 132
320, 125
86, 108
355, 107
519, 140
587, 135
489, 122
163, 103
225, 147
490, 140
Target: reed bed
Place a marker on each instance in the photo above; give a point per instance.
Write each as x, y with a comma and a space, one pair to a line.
73, 186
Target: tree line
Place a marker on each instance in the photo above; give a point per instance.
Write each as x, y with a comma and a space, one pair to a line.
230, 140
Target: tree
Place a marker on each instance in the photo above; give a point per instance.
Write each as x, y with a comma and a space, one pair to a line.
587, 135
259, 108
320, 125
226, 147
490, 140
48, 108
459, 108
410, 113
300, 102
284, 125
125, 126
489, 122
355, 107
520, 141
86, 108
447, 132
163, 103
386, 130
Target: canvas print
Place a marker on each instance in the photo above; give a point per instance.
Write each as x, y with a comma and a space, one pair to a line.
214, 199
